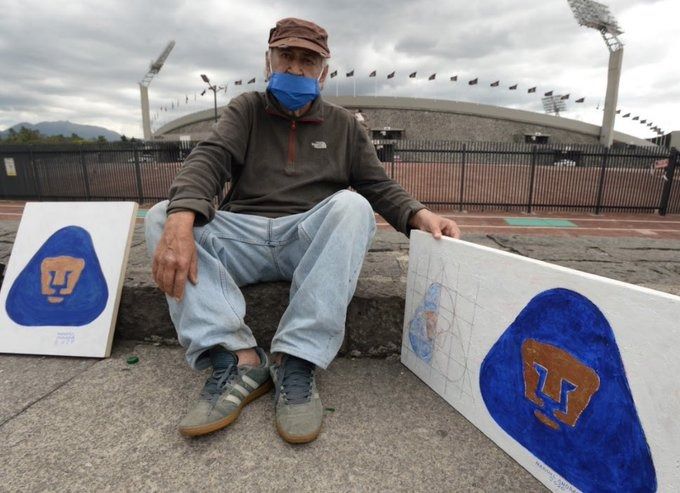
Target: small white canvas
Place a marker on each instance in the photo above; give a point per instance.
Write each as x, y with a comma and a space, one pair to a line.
64, 279
574, 375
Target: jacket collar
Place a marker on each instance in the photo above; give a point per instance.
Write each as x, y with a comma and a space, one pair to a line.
313, 115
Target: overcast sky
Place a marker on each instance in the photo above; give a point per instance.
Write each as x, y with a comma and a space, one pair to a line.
82, 61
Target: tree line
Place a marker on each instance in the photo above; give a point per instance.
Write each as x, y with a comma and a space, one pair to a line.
28, 136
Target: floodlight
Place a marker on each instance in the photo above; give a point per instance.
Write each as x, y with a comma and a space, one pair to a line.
554, 104
154, 68
595, 15
205, 78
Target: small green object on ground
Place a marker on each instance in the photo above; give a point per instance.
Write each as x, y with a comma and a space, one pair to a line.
132, 360
330, 409
539, 223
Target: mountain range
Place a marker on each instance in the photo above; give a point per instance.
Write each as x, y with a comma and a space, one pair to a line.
65, 128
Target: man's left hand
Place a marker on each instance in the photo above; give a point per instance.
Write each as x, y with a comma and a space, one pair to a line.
426, 220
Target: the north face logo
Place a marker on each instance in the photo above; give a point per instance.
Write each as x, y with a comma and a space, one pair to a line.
319, 144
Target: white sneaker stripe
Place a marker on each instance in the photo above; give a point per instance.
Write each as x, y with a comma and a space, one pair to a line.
244, 392
252, 383
234, 399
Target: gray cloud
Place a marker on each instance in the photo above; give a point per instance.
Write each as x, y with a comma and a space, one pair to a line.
82, 60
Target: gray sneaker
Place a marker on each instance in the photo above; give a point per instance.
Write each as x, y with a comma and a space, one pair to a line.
298, 407
228, 389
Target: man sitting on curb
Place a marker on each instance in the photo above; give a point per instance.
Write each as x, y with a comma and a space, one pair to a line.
290, 157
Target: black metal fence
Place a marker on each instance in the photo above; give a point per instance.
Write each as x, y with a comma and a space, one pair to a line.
443, 175
141, 172
481, 175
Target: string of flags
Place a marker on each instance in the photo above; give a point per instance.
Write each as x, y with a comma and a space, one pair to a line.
432, 77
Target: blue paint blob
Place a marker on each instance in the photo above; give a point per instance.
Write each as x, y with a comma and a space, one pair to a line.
606, 449
422, 340
28, 303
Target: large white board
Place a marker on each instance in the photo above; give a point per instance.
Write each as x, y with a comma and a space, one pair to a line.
574, 375
64, 278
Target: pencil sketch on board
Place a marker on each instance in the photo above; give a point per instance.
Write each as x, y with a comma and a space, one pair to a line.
568, 372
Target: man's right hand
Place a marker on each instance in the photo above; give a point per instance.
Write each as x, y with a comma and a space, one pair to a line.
175, 258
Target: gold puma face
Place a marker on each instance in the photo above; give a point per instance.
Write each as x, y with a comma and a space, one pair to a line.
555, 381
59, 276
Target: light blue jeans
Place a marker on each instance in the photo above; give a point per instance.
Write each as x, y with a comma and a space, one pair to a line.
320, 252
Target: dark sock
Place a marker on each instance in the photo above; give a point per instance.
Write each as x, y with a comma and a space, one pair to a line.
221, 357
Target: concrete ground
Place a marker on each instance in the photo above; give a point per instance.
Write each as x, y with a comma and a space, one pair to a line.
71, 424
79, 424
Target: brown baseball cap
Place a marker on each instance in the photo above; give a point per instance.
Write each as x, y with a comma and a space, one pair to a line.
299, 33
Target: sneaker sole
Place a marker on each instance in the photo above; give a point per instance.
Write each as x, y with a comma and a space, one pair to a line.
192, 431
297, 439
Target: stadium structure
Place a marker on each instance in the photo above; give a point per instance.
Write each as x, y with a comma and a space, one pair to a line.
403, 118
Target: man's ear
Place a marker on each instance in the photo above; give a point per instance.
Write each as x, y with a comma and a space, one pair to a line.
267, 66
324, 74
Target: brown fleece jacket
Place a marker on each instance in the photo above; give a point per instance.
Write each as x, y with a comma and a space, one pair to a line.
281, 165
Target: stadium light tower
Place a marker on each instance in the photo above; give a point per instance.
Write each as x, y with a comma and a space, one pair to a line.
154, 68
595, 15
554, 104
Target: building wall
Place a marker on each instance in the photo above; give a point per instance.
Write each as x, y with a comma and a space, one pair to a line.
423, 119
431, 125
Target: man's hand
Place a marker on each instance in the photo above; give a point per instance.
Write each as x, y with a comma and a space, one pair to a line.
426, 220
175, 258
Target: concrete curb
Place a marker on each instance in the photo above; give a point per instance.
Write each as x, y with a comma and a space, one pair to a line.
375, 315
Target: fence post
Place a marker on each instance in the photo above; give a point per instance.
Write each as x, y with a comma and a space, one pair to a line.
36, 175
600, 186
531, 178
85, 177
462, 180
3, 174
667, 187
138, 174
394, 153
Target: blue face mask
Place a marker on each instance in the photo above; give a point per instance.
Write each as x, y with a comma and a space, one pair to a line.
293, 91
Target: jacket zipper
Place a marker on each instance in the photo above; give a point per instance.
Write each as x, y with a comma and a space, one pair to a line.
291, 143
